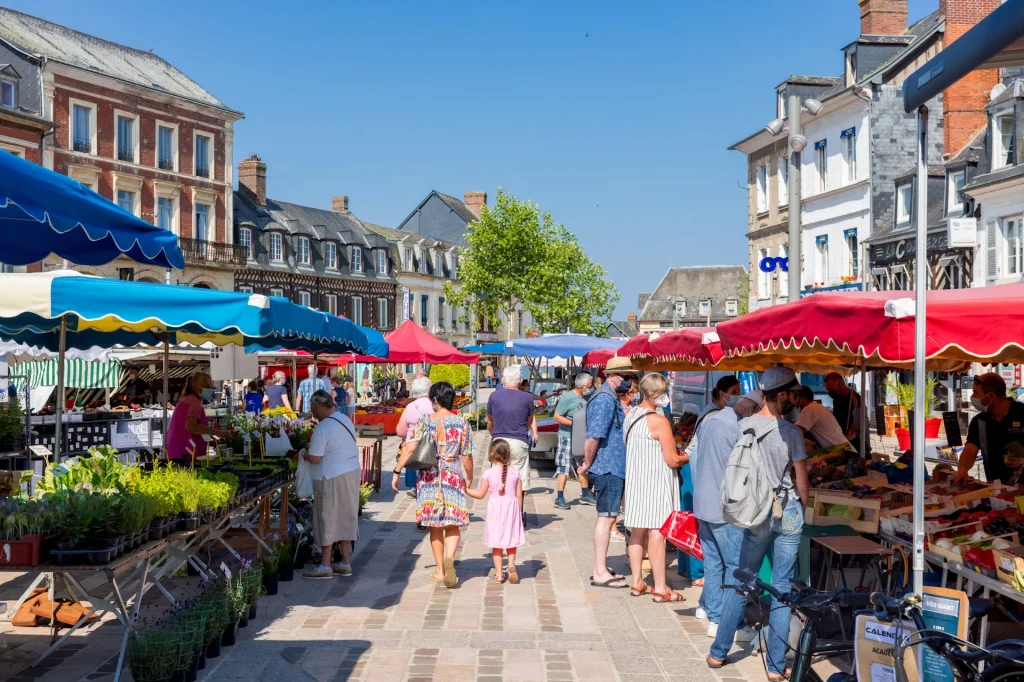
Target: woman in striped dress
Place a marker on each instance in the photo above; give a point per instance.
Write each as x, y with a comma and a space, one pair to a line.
652, 486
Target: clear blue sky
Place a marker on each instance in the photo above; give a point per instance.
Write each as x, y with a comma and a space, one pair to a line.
613, 116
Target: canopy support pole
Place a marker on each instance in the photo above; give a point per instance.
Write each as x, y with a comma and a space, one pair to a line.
58, 411
295, 381
167, 388
862, 428
920, 322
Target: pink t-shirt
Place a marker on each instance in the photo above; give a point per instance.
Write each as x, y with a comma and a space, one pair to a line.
179, 441
414, 411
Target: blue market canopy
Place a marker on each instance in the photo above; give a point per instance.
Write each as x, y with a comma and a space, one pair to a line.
104, 312
43, 212
558, 346
375, 343
497, 348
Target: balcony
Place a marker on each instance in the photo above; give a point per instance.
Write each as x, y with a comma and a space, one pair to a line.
83, 146
200, 252
166, 164
203, 171
126, 155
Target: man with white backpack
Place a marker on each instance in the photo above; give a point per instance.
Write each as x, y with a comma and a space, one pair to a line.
763, 492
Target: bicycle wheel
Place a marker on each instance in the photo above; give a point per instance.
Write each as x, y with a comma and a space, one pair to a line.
1004, 672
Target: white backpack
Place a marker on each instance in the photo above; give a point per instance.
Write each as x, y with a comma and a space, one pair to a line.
747, 495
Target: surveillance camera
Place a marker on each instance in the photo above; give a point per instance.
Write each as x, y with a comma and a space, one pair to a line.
798, 143
812, 106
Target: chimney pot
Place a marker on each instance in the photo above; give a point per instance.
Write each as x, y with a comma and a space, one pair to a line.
339, 204
252, 179
883, 17
475, 201
631, 319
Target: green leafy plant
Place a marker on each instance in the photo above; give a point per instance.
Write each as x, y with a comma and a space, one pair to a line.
175, 489
12, 420
905, 393
365, 490
456, 375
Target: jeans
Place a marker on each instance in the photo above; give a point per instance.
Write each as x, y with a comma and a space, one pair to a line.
490, 382
784, 536
411, 476
721, 543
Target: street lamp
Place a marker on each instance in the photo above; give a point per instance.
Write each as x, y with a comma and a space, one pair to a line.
797, 143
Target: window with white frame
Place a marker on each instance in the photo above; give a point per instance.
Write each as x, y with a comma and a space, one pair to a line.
126, 200
8, 93
277, 291
204, 155
783, 180
276, 247
848, 146
761, 178
821, 164
126, 130
165, 213
356, 310
954, 183
762, 276
330, 255
355, 258
332, 304
382, 261
245, 241
704, 308
783, 275
455, 266
438, 263
1013, 258
732, 308
904, 203
202, 222
821, 259
441, 310
83, 126
852, 253
408, 266
303, 251
1003, 143
166, 146
305, 299
244, 290
382, 313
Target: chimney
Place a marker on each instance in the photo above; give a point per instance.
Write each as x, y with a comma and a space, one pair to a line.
252, 179
963, 103
631, 319
475, 200
883, 17
339, 204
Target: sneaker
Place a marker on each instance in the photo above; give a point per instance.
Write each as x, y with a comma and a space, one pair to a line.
588, 498
344, 570
560, 503
745, 635
411, 493
701, 614
712, 630
319, 571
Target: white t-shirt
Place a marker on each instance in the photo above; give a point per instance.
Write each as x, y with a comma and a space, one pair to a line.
336, 444
819, 422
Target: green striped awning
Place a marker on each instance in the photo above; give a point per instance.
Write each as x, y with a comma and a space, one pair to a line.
78, 373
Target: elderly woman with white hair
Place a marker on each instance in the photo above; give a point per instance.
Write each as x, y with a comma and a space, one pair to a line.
510, 416
336, 479
413, 413
277, 392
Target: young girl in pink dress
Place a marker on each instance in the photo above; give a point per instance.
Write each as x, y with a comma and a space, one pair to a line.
503, 527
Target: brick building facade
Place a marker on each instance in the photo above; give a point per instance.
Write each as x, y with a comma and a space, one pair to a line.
141, 133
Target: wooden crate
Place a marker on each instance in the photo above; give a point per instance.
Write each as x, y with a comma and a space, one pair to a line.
1008, 561
963, 547
868, 523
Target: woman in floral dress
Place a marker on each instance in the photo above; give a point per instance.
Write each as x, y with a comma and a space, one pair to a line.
441, 491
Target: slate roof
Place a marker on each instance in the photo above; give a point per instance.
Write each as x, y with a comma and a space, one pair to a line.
402, 235
58, 43
625, 329
459, 207
693, 284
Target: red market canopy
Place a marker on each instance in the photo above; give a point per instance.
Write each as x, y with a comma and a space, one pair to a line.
598, 358
834, 329
686, 349
410, 344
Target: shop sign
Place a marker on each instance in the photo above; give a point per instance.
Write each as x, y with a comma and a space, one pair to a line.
961, 232
405, 304
849, 286
771, 264
1011, 374
906, 249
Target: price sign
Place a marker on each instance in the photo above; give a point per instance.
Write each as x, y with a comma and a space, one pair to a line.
246, 437
873, 649
41, 450
298, 527
944, 610
227, 571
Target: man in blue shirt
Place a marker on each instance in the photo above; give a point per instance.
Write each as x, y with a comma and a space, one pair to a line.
307, 387
605, 460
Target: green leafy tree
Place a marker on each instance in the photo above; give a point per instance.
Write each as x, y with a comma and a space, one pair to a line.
516, 257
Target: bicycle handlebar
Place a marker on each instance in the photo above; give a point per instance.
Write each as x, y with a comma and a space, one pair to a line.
801, 599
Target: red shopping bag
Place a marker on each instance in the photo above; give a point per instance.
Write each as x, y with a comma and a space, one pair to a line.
680, 528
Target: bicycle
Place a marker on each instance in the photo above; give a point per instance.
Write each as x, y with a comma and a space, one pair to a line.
1003, 661
813, 606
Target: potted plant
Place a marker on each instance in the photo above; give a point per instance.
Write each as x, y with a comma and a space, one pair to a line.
270, 563
252, 579
215, 598
905, 396
153, 653
237, 605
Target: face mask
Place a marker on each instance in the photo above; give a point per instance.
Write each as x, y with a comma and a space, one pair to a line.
733, 400
787, 407
588, 392
793, 415
661, 401
978, 405
206, 394
624, 387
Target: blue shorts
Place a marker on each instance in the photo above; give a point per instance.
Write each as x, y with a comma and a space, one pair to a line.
609, 489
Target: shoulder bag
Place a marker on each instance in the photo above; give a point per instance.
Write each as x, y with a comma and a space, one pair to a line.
425, 455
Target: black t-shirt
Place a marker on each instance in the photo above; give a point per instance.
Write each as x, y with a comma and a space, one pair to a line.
844, 409
998, 434
135, 392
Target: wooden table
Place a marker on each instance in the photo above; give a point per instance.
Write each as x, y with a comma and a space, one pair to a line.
845, 546
372, 459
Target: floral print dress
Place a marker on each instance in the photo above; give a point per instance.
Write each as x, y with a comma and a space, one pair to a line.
441, 491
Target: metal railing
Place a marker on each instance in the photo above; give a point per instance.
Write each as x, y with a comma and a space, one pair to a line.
83, 146
166, 164
125, 155
203, 171
201, 251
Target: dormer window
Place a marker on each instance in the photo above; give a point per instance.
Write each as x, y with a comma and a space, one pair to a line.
904, 203
382, 262
9, 87
303, 251
1003, 144
954, 183
356, 259
330, 255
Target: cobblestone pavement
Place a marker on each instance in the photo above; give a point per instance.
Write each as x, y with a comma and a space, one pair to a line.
390, 622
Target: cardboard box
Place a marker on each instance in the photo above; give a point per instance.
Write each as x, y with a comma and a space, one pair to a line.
1008, 561
868, 522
